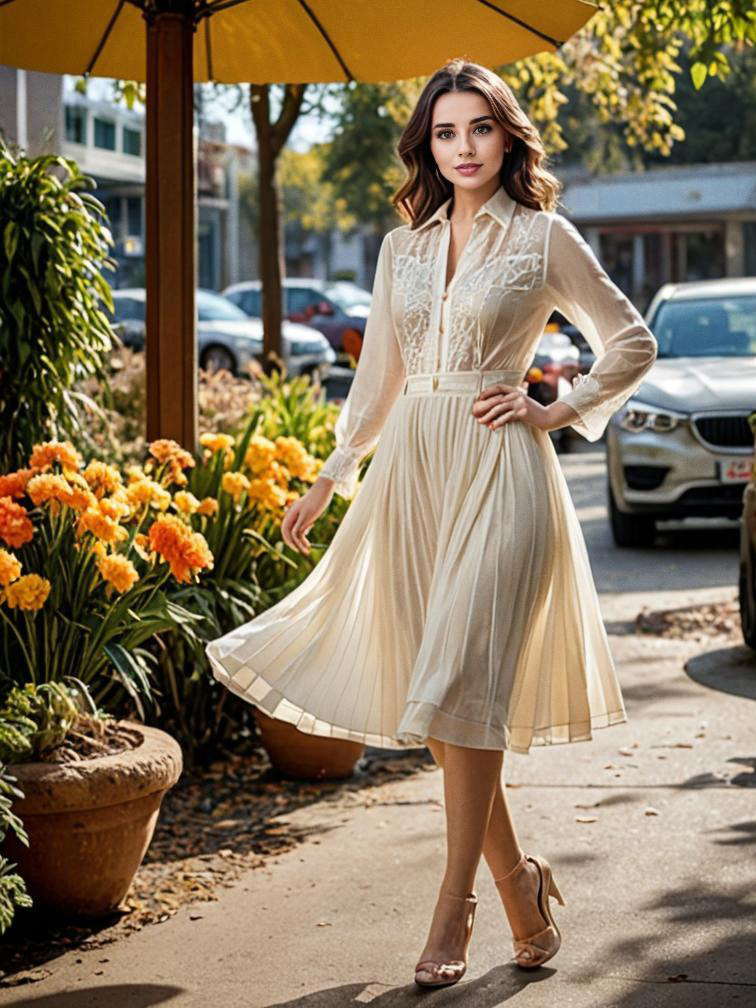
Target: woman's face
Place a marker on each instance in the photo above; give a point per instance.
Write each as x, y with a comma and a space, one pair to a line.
464, 132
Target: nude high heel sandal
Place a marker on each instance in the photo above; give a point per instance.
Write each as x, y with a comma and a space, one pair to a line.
537, 948
441, 974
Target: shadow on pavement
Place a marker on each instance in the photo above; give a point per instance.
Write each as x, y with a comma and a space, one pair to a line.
729, 670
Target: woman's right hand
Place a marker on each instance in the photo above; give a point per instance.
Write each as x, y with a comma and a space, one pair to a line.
302, 514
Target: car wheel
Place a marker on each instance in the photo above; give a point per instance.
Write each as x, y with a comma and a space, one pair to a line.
218, 358
633, 530
747, 597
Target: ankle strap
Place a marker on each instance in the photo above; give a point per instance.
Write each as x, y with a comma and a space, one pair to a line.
523, 858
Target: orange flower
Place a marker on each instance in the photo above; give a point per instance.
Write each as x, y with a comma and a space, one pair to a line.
63, 452
29, 592
186, 552
10, 567
14, 484
15, 525
101, 526
208, 507
118, 571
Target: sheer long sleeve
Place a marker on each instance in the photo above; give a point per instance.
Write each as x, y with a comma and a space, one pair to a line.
378, 379
623, 344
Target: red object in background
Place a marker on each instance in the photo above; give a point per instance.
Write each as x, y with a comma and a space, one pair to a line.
351, 342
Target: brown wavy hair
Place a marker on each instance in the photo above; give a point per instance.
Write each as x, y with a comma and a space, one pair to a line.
523, 173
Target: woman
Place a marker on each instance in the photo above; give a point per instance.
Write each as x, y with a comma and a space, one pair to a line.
455, 605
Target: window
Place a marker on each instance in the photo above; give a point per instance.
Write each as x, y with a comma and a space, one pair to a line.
128, 309
132, 141
706, 327
104, 134
299, 299
216, 308
76, 124
749, 242
134, 216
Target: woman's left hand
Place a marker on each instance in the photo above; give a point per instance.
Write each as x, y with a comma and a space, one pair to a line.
500, 403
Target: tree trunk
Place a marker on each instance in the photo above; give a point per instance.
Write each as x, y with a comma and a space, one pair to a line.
271, 137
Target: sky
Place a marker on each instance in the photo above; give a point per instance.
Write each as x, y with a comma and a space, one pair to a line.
307, 131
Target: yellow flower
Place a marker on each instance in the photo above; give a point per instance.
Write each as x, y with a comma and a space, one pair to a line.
142, 545
235, 484
147, 491
186, 552
48, 487
118, 571
208, 507
10, 567
114, 508
216, 442
99, 548
29, 592
16, 528
260, 453
293, 454
63, 452
165, 450
102, 478
185, 502
101, 526
267, 494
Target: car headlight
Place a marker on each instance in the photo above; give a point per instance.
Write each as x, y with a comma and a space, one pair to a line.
638, 416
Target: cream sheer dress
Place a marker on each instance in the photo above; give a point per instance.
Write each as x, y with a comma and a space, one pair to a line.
456, 598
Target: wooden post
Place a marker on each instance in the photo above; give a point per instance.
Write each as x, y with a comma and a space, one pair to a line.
171, 342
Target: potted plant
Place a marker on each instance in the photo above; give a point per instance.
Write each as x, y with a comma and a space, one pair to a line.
85, 560
91, 789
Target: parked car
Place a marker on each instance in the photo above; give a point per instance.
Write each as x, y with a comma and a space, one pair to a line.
226, 337
337, 309
747, 566
681, 446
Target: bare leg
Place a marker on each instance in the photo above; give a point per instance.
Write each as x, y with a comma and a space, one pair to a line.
502, 851
470, 776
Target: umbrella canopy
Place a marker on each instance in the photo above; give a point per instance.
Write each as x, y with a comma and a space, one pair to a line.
171, 43
286, 40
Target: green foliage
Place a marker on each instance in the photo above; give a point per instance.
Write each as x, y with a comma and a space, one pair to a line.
35, 719
13, 892
53, 246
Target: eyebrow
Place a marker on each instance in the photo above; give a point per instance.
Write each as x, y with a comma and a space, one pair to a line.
476, 120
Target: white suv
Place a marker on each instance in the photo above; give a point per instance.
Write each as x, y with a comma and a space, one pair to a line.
681, 446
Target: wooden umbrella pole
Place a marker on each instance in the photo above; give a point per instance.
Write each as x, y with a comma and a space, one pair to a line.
171, 272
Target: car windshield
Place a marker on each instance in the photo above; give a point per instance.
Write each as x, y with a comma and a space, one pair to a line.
706, 327
215, 308
347, 297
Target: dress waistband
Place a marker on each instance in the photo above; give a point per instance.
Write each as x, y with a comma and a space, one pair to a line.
458, 381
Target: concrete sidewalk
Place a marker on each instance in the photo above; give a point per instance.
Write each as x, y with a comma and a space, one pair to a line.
650, 829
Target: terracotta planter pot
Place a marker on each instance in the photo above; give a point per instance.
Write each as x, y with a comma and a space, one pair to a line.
90, 822
297, 754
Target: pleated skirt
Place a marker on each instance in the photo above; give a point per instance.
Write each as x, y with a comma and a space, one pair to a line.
455, 600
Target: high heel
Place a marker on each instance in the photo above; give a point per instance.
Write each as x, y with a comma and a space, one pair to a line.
537, 948
446, 972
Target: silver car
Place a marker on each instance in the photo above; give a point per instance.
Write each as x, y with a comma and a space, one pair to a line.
681, 447
226, 337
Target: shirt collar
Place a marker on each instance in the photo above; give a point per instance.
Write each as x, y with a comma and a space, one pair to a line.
499, 206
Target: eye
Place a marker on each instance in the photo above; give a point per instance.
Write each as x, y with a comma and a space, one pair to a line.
484, 127
440, 134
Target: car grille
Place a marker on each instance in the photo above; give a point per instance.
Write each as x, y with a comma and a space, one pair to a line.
724, 431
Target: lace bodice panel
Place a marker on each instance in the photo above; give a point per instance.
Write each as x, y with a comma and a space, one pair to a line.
497, 268
516, 267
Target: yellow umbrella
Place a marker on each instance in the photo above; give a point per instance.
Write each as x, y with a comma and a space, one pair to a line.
170, 43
